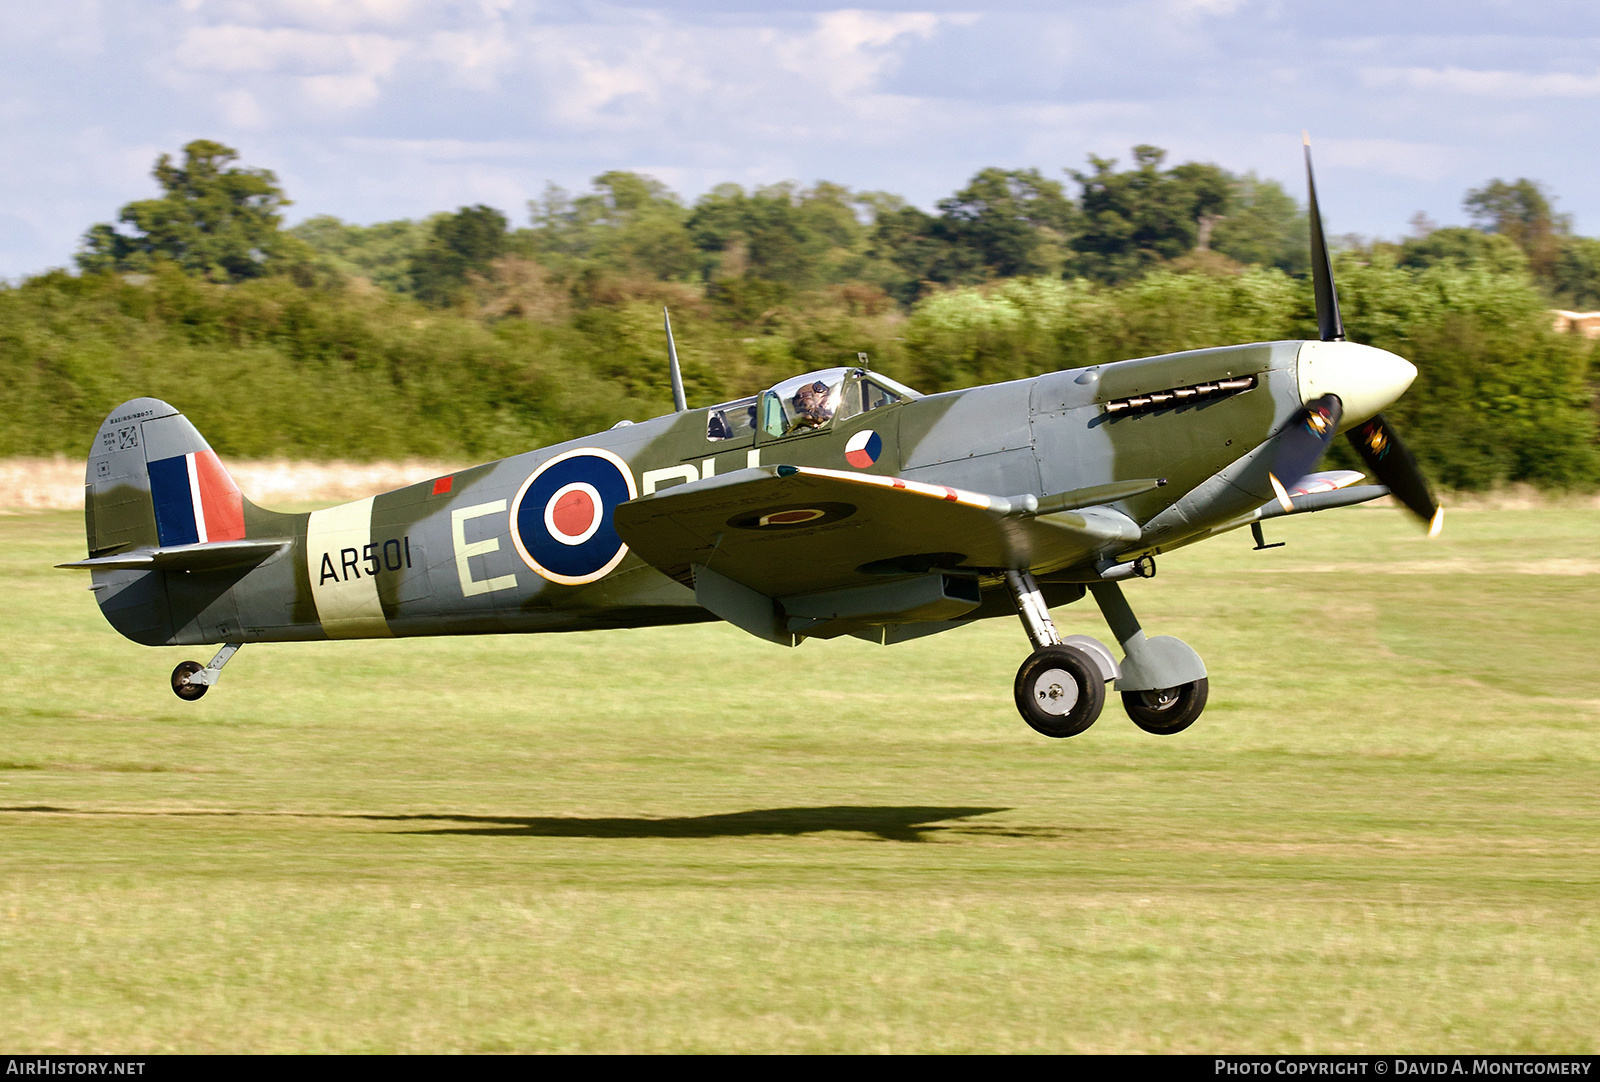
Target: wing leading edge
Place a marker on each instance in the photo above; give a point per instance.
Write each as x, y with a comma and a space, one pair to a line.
787, 550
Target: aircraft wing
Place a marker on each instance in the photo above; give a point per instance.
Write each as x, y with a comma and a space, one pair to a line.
784, 531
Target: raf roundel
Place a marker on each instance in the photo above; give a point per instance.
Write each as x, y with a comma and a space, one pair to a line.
572, 515
561, 518
863, 449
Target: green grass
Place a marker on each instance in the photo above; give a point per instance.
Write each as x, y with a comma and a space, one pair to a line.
1383, 836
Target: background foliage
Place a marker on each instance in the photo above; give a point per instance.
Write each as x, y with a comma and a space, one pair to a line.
462, 337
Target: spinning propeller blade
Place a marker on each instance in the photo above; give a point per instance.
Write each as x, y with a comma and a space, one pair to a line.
1329, 326
1374, 440
1391, 464
1302, 442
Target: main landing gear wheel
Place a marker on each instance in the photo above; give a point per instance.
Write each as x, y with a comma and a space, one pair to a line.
180, 681
1060, 691
1166, 710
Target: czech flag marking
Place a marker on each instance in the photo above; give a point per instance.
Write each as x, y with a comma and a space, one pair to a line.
561, 519
196, 501
863, 449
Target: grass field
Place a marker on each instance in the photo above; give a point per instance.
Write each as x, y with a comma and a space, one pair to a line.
1383, 836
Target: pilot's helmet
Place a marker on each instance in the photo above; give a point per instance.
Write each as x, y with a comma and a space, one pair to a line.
814, 396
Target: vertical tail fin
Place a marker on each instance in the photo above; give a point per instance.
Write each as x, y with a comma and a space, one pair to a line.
154, 482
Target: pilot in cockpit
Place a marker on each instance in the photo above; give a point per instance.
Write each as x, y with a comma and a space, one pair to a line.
811, 405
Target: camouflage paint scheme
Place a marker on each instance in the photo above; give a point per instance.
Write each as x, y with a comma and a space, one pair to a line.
881, 560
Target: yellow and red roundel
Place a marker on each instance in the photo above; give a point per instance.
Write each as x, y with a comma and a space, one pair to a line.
792, 516
797, 516
863, 449
561, 520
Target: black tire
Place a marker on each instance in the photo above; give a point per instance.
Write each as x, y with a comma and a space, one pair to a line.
180, 681
1167, 710
1060, 691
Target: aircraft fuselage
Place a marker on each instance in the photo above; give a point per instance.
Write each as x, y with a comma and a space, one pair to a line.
525, 544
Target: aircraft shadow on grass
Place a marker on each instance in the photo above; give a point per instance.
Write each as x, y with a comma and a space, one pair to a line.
889, 823
897, 824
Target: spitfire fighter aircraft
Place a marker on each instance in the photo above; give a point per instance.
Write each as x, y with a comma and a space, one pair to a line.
838, 502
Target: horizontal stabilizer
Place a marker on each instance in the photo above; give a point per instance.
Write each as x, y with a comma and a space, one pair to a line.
214, 556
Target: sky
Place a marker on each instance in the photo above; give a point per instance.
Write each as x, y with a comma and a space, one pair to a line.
380, 109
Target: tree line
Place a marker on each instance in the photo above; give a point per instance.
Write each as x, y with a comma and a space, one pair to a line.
223, 222
463, 335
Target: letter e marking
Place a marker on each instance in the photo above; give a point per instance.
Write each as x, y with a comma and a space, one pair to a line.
471, 587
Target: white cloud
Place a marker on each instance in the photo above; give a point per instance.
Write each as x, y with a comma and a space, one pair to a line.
243, 49
601, 81
329, 15
849, 50
340, 93
328, 73
476, 58
1488, 84
620, 70
640, 73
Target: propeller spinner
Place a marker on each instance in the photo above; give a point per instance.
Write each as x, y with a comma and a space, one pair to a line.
1359, 381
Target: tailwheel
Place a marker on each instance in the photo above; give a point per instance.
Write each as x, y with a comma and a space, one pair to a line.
1060, 691
180, 681
1165, 711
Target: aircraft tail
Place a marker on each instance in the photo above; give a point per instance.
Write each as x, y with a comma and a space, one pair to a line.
158, 500
153, 482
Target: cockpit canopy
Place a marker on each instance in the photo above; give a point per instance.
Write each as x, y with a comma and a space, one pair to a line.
805, 403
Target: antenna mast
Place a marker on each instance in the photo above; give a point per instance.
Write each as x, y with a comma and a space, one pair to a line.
679, 402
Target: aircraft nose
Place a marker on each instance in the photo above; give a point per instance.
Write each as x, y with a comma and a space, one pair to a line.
1365, 378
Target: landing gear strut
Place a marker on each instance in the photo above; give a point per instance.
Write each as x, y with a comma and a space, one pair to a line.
1163, 681
191, 680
